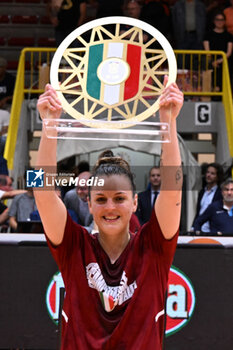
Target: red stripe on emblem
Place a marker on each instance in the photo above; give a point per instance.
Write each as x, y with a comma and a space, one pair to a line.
52, 298
111, 302
134, 61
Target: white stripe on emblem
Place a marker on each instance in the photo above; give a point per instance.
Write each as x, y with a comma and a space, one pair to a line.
112, 92
160, 313
115, 50
65, 316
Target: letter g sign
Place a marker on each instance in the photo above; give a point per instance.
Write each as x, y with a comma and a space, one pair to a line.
202, 114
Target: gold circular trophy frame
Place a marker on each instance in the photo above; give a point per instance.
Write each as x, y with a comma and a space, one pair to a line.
106, 68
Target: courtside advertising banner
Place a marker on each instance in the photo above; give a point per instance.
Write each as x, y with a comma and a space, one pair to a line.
199, 307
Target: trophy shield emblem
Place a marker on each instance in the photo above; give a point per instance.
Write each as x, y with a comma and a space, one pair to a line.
109, 72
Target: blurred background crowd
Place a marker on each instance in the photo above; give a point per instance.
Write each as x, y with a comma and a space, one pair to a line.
187, 24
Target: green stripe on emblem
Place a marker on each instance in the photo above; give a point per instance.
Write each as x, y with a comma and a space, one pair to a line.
93, 82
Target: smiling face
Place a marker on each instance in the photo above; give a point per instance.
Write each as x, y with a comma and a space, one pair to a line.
112, 205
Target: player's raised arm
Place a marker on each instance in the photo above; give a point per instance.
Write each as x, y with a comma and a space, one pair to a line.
52, 210
168, 203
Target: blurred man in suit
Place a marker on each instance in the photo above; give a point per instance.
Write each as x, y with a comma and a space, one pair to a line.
147, 198
219, 213
210, 193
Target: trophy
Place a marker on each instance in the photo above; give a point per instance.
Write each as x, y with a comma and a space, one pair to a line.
108, 74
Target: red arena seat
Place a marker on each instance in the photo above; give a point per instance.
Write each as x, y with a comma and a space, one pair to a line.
45, 20
15, 41
12, 65
46, 42
25, 19
29, 1
4, 19
2, 41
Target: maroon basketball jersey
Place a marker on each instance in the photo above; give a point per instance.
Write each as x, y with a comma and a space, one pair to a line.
116, 306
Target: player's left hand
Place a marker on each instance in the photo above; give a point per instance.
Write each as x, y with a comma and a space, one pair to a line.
48, 105
171, 101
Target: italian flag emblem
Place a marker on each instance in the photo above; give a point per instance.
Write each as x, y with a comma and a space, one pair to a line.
107, 301
113, 74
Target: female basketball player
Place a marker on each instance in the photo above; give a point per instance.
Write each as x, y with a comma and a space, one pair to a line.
115, 282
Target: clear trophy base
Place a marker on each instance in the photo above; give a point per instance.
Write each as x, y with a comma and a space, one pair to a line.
102, 130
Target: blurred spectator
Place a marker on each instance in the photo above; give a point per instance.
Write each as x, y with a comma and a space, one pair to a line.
189, 23
3, 163
146, 199
5, 183
35, 215
92, 6
6, 189
133, 9
76, 200
4, 123
218, 39
211, 7
204, 167
82, 166
157, 14
107, 8
220, 213
21, 208
3, 213
3, 217
72, 213
7, 85
66, 17
210, 193
228, 12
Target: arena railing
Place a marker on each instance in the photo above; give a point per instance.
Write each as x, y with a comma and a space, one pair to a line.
196, 77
